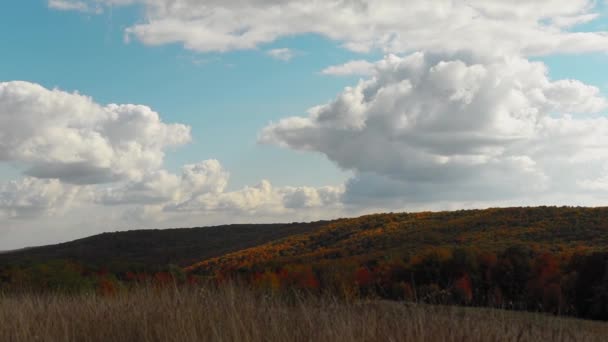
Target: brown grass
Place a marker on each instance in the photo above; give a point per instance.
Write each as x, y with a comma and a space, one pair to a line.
233, 314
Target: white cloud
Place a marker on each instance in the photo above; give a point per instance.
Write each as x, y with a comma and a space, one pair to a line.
33, 197
307, 197
428, 128
68, 5
483, 27
161, 187
283, 54
160, 196
201, 188
67, 136
359, 68
261, 198
88, 6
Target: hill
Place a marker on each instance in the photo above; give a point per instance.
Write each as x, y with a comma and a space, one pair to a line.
548, 259
154, 248
373, 237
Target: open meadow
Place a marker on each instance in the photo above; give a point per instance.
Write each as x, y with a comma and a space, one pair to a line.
231, 313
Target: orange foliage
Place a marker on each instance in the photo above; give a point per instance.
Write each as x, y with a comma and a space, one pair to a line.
106, 287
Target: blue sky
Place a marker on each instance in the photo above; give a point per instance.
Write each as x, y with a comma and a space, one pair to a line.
419, 106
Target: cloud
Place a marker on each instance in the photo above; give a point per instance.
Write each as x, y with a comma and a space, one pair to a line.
67, 136
283, 54
482, 27
262, 198
201, 188
161, 187
161, 196
359, 68
33, 197
88, 6
427, 128
67, 5
307, 197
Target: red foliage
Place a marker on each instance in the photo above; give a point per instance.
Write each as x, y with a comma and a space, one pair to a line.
464, 288
547, 268
310, 281
130, 276
545, 285
163, 278
364, 277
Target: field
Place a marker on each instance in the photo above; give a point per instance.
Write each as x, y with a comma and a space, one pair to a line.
231, 313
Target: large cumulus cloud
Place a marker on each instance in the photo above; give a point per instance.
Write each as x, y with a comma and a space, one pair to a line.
427, 128
59, 135
530, 27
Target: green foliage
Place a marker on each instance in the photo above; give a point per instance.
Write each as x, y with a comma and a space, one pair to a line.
55, 275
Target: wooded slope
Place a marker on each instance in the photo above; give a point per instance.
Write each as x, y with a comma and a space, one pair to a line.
552, 229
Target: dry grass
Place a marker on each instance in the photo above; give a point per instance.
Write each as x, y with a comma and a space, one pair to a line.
232, 314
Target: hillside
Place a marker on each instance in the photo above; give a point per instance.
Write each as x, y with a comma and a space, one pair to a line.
153, 248
383, 235
546, 258
539, 259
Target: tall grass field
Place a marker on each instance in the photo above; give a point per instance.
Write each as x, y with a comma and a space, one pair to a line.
232, 313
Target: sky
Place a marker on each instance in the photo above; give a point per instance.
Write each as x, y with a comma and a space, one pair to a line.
130, 114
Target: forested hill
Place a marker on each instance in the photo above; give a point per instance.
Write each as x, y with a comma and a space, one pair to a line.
555, 229
545, 258
375, 237
154, 248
